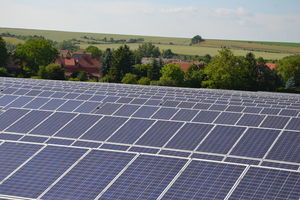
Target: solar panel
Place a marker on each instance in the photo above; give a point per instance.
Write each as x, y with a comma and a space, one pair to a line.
185, 115
189, 136
159, 133
53, 104
228, 118
90, 176
70, 105
29, 121
255, 143
86, 144
104, 128
87, 107
40, 172
20, 102
7, 99
294, 124
145, 178
233, 128
221, 139
10, 116
262, 183
251, 120
205, 180
280, 165
127, 110
108, 108
78, 126
12, 155
286, 148
206, 116
145, 111
164, 113
275, 122
131, 131
36, 103
51, 125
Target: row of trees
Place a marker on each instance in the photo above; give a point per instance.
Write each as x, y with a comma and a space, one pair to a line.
224, 71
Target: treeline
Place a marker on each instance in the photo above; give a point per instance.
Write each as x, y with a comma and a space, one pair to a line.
106, 40
224, 71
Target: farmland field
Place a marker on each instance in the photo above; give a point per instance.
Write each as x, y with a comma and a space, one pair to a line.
267, 50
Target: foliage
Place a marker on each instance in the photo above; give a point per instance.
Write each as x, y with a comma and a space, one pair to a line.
225, 71
95, 51
142, 70
123, 60
67, 45
106, 60
82, 76
167, 53
36, 52
290, 83
148, 50
289, 67
144, 81
52, 71
196, 39
3, 52
129, 79
4, 72
10, 47
107, 79
172, 75
194, 77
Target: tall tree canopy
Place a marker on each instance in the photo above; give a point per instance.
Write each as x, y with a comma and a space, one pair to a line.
106, 60
3, 53
289, 67
36, 52
148, 50
172, 75
95, 51
196, 39
123, 60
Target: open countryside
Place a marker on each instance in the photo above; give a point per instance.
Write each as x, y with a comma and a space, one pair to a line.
267, 50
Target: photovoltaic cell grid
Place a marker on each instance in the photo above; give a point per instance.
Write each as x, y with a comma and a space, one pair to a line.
252, 122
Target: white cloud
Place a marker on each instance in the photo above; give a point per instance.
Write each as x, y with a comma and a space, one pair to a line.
227, 11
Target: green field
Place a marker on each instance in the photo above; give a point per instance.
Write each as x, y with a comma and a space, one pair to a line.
267, 50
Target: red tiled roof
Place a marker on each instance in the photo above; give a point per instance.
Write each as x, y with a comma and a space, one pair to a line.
271, 65
87, 64
184, 65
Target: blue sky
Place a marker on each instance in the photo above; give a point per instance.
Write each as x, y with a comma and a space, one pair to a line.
262, 20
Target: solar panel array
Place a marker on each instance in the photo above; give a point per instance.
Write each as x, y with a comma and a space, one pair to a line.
78, 140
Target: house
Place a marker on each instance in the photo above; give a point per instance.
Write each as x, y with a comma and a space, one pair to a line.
73, 62
271, 65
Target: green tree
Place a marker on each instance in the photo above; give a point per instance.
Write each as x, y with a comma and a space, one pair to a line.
144, 81
82, 76
194, 77
172, 75
52, 71
148, 50
106, 60
289, 67
225, 71
142, 70
36, 52
290, 83
196, 39
167, 53
123, 60
67, 45
4, 72
129, 79
95, 51
3, 53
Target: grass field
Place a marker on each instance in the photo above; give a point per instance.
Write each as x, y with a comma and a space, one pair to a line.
267, 50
